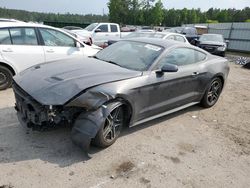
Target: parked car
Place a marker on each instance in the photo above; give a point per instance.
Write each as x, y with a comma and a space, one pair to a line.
126, 84
128, 29
83, 37
190, 32
165, 35
213, 43
23, 45
102, 32
72, 27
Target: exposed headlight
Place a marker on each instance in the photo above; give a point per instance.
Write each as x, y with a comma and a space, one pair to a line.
221, 48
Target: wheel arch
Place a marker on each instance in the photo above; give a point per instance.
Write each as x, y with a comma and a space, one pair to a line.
221, 77
8, 67
127, 107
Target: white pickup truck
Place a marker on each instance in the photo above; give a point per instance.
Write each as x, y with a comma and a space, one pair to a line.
103, 32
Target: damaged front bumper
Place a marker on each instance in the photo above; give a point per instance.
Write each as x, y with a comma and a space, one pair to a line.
86, 123
38, 116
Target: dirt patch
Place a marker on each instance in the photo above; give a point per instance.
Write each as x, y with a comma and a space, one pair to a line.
125, 167
144, 180
186, 147
175, 160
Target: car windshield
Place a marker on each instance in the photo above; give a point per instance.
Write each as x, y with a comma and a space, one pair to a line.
175, 30
217, 38
132, 55
91, 27
139, 34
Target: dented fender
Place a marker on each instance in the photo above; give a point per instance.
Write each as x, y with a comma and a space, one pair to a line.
88, 124
91, 99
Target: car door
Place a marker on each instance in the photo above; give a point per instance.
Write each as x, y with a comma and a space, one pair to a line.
101, 34
172, 90
114, 32
58, 45
20, 48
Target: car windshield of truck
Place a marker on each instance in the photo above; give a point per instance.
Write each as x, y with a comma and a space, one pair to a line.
91, 27
132, 55
217, 38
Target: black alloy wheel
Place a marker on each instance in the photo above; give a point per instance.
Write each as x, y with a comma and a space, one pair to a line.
213, 93
111, 129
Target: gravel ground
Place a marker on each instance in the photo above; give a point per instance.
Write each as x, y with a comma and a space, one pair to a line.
192, 148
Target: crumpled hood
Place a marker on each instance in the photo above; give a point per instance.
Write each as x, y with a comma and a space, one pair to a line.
212, 43
57, 82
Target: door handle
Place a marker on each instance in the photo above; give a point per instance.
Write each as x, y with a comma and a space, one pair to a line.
7, 50
195, 73
107, 35
50, 51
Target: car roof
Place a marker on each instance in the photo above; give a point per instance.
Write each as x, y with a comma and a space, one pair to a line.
168, 33
157, 42
212, 34
21, 24
165, 43
165, 33
9, 20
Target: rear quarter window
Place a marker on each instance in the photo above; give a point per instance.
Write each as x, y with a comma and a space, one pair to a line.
5, 36
200, 56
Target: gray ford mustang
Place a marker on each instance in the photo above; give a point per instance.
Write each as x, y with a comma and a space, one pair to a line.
126, 84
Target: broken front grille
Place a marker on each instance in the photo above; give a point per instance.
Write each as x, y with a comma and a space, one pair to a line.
28, 108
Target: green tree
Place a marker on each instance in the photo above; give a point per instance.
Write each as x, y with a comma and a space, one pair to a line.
157, 13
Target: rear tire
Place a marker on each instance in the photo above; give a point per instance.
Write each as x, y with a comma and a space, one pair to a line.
5, 78
111, 129
212, 94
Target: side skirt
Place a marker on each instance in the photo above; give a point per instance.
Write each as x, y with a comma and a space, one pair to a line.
164, 113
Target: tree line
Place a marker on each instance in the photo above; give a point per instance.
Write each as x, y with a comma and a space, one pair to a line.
152, 12
51, 17
137, 12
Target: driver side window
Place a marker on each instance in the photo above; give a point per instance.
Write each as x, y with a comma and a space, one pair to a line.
103, 28
179, 57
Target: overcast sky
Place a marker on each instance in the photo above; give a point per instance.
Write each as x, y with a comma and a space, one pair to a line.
97, 6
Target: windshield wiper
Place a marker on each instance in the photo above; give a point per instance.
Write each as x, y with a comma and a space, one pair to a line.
111, 62
95, 57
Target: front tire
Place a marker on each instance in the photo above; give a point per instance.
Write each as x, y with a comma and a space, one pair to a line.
5, 78
212, 94
111, 129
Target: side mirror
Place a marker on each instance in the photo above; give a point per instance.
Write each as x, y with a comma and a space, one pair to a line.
98, 30
168, 68
78, 44
227, 41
